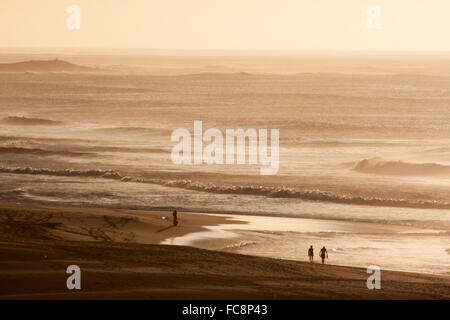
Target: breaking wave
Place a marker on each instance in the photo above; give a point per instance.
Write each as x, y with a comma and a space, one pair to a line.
106, 174
272, 192
308, 195
400, 168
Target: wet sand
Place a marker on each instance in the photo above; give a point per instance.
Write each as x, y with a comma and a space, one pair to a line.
120, 257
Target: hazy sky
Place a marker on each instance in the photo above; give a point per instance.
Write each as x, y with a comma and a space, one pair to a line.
312, 25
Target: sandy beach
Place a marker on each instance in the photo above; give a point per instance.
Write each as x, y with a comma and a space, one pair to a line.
121, 257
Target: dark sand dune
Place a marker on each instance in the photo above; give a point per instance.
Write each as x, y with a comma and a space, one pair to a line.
118, 261
44, 66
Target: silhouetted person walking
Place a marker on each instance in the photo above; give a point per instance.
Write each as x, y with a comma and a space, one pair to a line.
175, 218
311, 254
323, 253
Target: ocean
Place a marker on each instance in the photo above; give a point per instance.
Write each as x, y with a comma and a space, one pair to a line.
364, 145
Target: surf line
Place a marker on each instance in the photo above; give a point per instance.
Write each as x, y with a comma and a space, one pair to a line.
213, 153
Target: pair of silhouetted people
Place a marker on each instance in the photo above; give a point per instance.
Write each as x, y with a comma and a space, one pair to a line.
322, 254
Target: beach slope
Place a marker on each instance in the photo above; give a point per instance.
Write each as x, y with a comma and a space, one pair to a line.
38, 243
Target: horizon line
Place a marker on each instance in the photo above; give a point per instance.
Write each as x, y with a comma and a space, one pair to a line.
188, 51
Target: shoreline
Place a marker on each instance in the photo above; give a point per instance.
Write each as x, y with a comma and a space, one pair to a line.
233, 233
110, 224
159, 272
121, 257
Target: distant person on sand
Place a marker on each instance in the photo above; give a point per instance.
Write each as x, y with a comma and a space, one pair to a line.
175, 218
323, 253
311, 253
